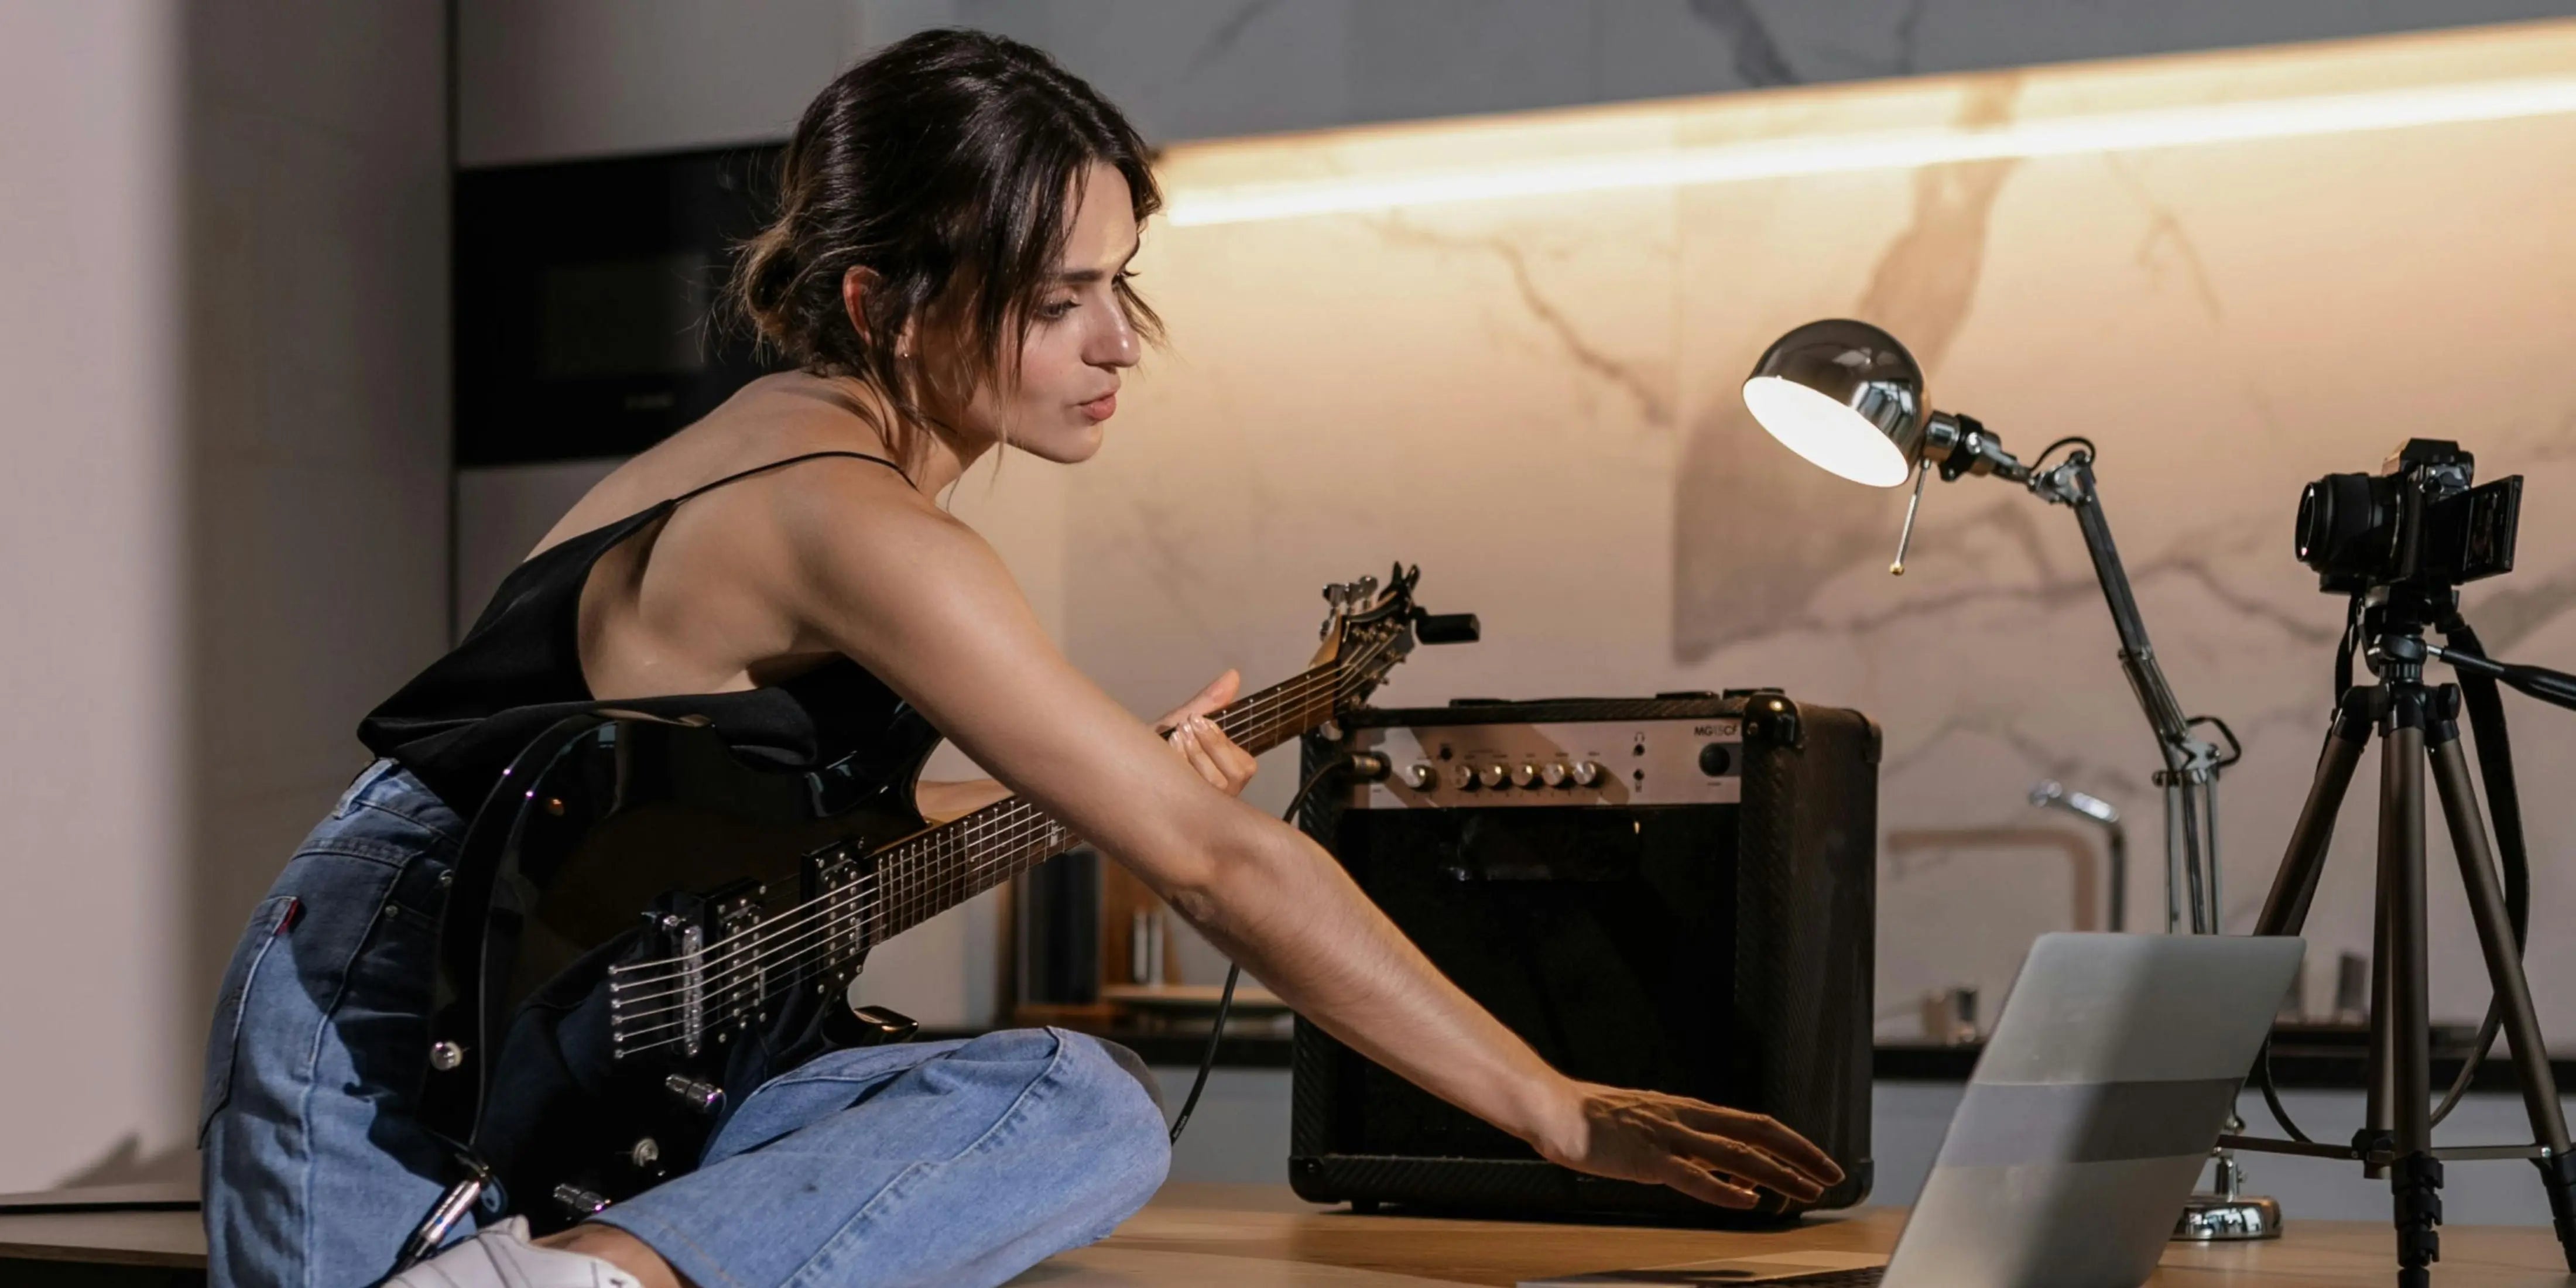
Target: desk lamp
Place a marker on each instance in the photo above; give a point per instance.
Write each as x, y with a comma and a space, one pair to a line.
1849, 398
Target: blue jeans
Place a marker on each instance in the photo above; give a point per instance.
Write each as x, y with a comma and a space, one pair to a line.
959, 1162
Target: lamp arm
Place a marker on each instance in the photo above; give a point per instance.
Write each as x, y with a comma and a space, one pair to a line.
2190, 777
2071, 485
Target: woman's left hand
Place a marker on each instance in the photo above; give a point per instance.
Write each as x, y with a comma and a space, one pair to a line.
1226, 766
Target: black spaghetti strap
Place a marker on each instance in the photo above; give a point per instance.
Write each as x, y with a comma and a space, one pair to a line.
762, 469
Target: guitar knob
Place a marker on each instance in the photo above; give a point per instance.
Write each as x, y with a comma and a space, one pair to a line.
1421, 778
1554, 773
579, 1203
1493, 776
1525, 774
1587, 773
697, 1093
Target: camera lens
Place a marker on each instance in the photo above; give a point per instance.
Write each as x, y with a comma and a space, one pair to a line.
2338, 517
2316, 509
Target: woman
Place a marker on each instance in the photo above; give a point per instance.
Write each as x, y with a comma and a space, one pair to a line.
949, 275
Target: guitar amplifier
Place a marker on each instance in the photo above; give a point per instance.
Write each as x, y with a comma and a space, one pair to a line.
1675, 893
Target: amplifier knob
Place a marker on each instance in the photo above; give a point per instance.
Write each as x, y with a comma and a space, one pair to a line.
1492, 776
1421, 777
1462, 777
1525, 774
1554, 773
1587, 773
1713, 759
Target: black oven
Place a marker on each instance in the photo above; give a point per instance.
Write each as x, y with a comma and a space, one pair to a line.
584, 300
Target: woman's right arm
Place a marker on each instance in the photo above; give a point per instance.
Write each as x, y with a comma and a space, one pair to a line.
923, 602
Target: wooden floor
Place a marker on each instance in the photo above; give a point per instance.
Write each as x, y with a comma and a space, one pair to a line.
1256, 1236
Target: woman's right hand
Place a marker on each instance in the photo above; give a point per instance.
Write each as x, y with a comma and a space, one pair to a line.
1711, 1153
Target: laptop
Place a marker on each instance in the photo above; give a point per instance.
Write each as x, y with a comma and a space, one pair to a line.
2083, 1130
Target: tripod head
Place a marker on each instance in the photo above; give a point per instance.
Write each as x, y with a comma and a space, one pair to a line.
2389, 621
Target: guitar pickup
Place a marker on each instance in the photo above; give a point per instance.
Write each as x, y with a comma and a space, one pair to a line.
660, 999
840, 888
738, 960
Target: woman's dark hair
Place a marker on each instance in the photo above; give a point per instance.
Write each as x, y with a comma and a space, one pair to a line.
949, 164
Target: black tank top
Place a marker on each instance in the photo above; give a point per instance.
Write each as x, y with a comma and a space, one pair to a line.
459, 723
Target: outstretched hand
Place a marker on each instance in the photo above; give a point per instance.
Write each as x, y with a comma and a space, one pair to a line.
1711, 1153
1226, 766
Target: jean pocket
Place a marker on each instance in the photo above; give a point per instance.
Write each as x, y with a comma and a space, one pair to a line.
270, 922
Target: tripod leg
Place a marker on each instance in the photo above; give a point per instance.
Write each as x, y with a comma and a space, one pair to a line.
2504, 972
2294, 887
2379, 1095
2404, 1030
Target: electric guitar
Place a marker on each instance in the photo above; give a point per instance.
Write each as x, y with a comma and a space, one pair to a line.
641, 923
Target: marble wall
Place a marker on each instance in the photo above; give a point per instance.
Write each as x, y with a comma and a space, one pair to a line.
1535, 399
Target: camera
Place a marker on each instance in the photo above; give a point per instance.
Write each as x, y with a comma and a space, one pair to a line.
2415, 523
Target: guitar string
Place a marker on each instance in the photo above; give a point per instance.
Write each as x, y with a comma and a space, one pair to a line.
974, 827
730, 971
1268, 705
753, 958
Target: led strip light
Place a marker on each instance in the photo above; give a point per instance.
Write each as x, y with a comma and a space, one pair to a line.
1898, 149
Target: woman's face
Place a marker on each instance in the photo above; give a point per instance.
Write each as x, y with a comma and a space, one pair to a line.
1079, 342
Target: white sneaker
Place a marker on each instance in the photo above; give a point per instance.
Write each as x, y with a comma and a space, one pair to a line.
500, 1256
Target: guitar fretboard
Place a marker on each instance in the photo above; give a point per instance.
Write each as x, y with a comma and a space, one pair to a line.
938, 869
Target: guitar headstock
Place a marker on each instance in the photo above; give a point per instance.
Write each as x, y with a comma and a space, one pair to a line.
1369, 628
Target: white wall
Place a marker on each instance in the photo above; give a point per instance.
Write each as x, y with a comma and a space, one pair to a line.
92, 786
225, 346
315, 418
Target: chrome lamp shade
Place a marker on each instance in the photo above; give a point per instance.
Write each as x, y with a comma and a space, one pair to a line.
1846, 396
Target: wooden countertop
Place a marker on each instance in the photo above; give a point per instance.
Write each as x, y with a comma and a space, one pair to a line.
1266, 1224
1262, 1236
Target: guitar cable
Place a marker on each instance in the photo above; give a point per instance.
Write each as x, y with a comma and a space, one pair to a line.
1234, 972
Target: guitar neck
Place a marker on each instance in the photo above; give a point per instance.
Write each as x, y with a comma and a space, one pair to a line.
936, 870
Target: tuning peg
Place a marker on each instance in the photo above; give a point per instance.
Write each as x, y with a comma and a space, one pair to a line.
1367, 590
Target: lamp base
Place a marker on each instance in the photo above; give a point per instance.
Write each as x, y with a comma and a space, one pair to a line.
2227, 1218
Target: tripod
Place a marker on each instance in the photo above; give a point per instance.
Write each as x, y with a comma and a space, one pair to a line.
2418, 725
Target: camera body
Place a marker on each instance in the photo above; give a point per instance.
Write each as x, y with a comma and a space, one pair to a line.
2416, 523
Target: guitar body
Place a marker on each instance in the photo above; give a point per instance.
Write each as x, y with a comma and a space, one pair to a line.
618, 842
644, 924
